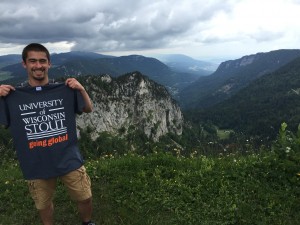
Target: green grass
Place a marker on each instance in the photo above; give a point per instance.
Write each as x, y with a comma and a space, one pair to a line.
163, 189
224, 134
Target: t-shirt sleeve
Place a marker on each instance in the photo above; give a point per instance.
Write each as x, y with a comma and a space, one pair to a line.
80, 104
4, 116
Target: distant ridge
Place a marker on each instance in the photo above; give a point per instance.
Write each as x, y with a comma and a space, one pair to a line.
184, 63
232, 76
87, 63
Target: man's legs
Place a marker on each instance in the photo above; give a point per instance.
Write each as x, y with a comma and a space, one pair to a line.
79, 186
85, 209
46, 215
42, 193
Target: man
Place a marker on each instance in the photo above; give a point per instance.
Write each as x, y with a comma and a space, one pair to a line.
41, 117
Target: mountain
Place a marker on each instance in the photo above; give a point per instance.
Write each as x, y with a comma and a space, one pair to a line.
82, 63
12, 63
260, 108
131, 101
232, 76
61, 58
118, 66
115, 66
11, 67
182, 63
6, 60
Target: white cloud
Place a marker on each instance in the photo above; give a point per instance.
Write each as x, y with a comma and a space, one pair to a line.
213, 28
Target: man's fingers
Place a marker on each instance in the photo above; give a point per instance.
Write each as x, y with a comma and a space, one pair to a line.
5, 89
73, 83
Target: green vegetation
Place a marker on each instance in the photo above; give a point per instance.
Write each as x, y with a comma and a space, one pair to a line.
233, 76
4, 75
168, 186
259, 108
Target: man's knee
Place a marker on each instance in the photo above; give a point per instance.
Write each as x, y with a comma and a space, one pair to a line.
85, 202
42, 192
78, 184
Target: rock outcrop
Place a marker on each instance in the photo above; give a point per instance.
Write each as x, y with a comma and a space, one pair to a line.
128, 102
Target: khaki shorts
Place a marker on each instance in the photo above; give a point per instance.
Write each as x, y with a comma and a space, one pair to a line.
77, 182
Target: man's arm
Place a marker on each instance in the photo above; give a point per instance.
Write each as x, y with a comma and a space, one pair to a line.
5, 89
74, 84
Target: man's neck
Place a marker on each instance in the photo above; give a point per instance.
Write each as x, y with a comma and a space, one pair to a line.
35, 83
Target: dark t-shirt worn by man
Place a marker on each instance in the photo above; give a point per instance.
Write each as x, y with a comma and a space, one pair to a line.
43, 126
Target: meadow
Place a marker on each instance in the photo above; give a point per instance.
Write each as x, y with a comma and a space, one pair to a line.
168, 188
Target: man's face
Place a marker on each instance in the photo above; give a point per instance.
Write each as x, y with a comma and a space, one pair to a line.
37, 66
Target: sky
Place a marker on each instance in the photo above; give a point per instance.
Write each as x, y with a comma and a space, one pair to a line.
202, 29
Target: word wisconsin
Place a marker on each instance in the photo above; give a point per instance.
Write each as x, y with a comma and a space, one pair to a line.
48, 142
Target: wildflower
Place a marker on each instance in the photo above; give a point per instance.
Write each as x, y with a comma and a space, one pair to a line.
283, 126
288, 149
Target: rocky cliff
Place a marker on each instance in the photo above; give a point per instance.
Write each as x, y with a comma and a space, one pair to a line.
131, 102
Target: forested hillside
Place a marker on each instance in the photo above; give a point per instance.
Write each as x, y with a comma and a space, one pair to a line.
260, 108
232, 76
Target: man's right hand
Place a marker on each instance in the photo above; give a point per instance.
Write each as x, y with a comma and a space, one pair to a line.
5, 89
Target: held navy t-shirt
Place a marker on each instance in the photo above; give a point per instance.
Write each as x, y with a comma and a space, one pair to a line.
42, 121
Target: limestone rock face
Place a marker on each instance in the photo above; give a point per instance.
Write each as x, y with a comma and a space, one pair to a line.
131, 102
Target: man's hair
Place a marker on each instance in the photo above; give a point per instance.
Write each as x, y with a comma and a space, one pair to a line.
35, 47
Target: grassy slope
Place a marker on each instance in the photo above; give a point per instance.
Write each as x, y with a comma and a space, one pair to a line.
165, 189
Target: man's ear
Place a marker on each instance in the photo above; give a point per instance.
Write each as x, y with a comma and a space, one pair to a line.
24, 64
